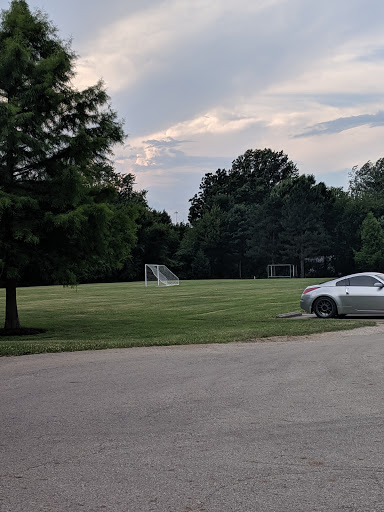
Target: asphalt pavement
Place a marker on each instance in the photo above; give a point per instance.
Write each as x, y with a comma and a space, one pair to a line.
274, 426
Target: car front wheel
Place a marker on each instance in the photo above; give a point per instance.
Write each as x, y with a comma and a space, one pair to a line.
324, 307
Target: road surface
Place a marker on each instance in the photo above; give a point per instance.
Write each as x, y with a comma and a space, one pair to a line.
295, 425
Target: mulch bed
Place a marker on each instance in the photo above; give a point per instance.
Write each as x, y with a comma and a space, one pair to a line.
23, 331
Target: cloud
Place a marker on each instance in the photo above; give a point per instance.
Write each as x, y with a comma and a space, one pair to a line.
176, 60
182, 145
169, 142
218, 121
198, 83
344, 123
374, 55
339, 99
169, 174
163, 154
149, 41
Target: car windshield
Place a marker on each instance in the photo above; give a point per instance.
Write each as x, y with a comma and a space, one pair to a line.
380, 276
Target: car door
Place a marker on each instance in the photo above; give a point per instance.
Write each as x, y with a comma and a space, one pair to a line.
362, 296
342, 296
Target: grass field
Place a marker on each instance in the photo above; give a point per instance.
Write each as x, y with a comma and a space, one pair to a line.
98, 316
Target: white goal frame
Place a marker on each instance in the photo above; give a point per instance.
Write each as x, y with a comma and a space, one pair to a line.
159, 275
288, 270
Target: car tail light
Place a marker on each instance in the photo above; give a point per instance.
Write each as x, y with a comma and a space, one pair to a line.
310, 289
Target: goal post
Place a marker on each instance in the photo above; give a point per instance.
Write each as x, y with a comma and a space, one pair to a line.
281, 270
159, 275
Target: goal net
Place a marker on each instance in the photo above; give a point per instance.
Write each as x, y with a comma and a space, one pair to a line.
159, 275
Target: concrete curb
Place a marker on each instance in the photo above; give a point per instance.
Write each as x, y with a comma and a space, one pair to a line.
290, 315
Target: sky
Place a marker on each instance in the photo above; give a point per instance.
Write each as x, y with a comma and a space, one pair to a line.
198, 82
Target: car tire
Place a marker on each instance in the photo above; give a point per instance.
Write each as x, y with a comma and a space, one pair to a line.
325, 307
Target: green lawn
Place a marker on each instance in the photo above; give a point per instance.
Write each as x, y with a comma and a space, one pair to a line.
98, 316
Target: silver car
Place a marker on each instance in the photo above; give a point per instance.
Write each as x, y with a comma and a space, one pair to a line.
354, 294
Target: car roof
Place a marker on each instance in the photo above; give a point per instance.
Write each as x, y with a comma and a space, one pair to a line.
373, 274
380, 275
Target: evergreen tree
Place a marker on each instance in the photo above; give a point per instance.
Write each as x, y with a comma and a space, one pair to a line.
56, 180
264, 234
306, 208
348, 215
203, 248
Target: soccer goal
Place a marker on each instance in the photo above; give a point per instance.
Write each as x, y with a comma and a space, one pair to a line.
159, 275
281, 270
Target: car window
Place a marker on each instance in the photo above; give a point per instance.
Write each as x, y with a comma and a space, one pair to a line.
363, 281
343, 282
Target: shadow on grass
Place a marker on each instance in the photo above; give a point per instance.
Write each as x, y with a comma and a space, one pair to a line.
23, 331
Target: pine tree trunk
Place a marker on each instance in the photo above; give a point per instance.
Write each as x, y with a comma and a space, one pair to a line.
11, 314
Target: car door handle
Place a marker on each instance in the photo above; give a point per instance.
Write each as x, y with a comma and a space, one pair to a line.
347, 291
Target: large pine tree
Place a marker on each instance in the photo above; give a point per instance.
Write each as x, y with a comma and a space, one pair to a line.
55, 170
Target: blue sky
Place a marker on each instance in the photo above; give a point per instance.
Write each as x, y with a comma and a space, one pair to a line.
198, 82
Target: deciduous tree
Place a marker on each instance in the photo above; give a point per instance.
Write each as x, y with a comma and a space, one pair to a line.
368, 180
371, 255
248, 182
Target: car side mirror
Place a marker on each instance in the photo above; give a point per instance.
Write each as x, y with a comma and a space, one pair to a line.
379, 285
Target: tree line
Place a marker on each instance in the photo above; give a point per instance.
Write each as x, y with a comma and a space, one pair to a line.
263, 211
260, 211
66, 215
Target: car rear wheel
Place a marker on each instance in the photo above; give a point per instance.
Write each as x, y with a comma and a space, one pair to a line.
324, 307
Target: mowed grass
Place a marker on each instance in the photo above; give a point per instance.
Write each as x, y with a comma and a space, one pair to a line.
99, 316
